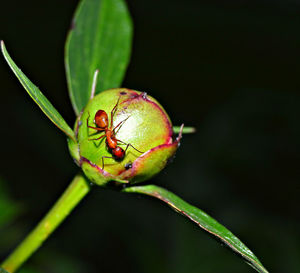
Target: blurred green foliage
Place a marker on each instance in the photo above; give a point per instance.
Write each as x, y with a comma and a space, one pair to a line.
8, 207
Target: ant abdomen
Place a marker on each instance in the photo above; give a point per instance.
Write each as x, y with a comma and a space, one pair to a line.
118, 153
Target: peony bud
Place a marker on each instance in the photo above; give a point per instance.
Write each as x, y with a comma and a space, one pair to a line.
143, 131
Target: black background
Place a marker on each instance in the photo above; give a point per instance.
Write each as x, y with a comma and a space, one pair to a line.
229, 69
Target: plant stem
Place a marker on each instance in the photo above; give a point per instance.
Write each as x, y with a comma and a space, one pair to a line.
186, 130
75, 192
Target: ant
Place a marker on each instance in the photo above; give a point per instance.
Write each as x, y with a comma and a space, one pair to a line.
101, 121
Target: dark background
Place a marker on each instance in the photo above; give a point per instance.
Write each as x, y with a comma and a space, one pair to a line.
229, 69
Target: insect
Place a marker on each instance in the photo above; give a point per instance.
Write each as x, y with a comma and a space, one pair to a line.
102, 123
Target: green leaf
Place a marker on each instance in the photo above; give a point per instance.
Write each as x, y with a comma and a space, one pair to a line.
100, 38
203, 220
38, 97
3, 271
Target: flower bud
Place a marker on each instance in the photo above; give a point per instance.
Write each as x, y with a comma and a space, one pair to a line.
128, 141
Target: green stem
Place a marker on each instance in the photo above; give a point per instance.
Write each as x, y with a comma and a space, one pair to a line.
78, 188
186, 130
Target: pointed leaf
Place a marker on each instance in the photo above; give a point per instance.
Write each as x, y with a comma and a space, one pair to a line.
203, 220
100, 38
38, 97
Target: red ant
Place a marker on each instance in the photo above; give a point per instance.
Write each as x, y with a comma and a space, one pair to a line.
101, 121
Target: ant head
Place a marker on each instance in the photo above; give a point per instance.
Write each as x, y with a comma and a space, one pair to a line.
118, 153
101, 119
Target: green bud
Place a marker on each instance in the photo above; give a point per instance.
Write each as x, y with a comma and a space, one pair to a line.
143, 124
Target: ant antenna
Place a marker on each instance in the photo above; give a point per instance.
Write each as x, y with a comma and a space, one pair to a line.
94, 84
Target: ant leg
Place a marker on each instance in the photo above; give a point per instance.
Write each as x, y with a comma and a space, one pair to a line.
113, 112
128, 144
98, 129
103, 160
120, 123
87, 124
97, 138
